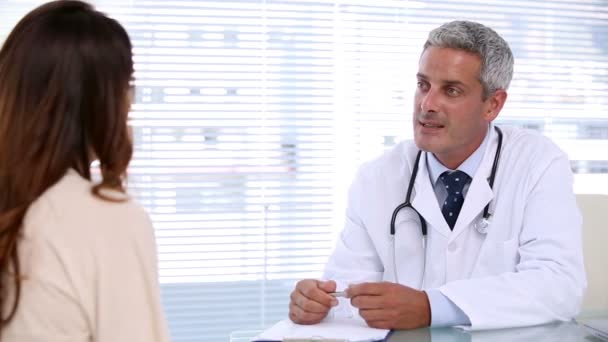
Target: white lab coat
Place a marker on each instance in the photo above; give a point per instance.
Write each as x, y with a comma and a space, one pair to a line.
526, 270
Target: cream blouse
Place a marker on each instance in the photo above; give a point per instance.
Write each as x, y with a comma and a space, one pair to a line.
90, 270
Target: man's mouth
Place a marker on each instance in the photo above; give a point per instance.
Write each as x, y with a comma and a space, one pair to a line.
431, 125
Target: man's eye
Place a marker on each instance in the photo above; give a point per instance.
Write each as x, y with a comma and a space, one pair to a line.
453, 92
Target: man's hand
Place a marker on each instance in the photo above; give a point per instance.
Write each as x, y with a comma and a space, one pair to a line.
390, 306
310, 301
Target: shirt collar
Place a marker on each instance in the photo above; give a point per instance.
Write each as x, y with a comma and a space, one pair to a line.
469, 166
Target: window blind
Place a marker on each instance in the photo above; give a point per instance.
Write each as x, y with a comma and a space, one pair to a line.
252, 116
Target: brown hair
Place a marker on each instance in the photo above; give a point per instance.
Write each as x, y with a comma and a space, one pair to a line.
64, 81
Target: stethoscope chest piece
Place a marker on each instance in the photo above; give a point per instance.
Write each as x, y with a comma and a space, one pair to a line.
482, 227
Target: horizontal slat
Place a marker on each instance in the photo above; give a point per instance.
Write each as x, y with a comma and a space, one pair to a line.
252, 116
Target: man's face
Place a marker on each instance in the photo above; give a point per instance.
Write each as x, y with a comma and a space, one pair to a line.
450, 116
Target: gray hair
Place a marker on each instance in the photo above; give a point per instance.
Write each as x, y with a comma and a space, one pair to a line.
496, 56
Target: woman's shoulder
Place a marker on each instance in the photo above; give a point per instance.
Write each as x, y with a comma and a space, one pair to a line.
71, 207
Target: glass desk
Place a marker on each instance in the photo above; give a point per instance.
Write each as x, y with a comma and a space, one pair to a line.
558, 331
562, 332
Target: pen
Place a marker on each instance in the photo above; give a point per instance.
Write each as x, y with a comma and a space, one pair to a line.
338, 294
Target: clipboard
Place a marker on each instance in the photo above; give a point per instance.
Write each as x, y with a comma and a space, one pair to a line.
327, 331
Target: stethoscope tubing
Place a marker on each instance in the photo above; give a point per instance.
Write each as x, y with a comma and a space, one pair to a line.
423, 226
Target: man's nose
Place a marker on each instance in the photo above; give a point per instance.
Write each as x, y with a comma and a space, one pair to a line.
429, 103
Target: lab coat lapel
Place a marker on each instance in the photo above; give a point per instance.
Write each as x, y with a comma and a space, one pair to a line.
479, 193
425, 200
478, 196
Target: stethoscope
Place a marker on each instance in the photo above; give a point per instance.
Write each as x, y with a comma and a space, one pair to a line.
481, 228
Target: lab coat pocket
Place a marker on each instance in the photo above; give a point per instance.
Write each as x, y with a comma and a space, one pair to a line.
497, 257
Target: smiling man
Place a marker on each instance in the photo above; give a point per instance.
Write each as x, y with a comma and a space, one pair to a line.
489, 234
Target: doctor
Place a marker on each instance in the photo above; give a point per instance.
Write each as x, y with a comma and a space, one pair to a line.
490, 235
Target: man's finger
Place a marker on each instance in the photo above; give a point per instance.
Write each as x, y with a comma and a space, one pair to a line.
327, 286
315, 294
297, 315
374, 315
309, 304
367, 302
380, 324
368, 289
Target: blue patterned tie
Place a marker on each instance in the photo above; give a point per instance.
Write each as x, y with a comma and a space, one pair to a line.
454, 182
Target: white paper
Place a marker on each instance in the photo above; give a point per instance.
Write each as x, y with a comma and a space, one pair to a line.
342, 323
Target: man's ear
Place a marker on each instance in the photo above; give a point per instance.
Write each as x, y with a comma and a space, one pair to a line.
494, 104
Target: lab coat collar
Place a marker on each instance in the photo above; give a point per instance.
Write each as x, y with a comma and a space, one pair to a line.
479, 193
425, 200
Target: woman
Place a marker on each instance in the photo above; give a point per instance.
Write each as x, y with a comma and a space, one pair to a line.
77, 257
